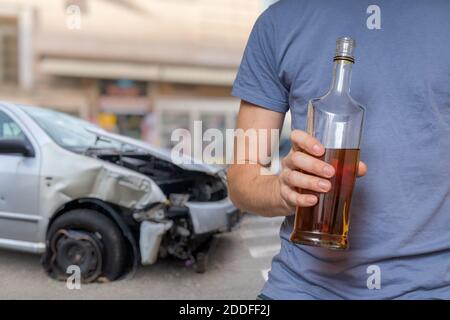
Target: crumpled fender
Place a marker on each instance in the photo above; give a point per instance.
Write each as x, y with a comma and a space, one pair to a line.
67, 176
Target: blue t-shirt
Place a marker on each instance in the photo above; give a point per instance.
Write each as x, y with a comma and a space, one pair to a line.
400, 216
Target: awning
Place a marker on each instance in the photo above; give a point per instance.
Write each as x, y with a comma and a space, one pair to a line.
137, 71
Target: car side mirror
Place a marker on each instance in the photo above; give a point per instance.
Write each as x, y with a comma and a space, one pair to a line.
16, 146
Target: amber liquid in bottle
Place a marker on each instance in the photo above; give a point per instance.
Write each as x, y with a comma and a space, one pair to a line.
326, 223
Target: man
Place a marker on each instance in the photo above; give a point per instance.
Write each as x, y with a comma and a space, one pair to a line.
399, 231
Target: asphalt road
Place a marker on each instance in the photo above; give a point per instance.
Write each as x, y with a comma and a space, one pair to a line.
238, 265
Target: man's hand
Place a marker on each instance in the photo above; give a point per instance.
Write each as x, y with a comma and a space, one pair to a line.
314, 176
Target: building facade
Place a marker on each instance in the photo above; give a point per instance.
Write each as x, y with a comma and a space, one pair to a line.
138, 67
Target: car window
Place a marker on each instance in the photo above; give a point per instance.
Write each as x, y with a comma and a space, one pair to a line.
9, 129
68, 131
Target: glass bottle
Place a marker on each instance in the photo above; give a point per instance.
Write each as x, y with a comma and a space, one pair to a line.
336, 120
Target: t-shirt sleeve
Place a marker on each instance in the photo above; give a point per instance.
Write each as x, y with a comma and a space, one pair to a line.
257, 80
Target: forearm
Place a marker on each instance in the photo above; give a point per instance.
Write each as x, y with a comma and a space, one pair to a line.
250, 191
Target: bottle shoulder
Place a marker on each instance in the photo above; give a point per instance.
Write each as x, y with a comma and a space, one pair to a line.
337, 104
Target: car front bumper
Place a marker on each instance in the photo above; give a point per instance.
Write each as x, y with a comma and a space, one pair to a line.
206, 217
214, 216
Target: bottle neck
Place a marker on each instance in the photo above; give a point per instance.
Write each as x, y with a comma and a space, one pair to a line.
342, 73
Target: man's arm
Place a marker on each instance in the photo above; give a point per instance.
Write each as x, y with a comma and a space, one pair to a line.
249, 190
271, 195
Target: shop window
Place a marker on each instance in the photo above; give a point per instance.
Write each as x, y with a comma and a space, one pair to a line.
124, 106
123, 88
213, 121
9, 68
130, 125
171, 120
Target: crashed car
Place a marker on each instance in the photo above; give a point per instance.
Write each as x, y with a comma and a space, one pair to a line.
103, 202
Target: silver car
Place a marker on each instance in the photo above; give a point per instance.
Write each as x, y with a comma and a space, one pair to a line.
100, 201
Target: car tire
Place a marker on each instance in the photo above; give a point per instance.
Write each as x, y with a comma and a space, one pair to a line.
87, 239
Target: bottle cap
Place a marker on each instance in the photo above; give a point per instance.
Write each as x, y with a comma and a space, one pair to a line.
344, 49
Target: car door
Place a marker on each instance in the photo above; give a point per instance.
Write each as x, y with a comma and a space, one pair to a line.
19, 189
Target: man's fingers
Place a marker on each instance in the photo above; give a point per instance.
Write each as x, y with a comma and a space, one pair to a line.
362, 169
302, 140
296, 179
295, 199
302, 161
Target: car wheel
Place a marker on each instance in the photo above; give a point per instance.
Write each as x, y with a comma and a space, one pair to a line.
89, 240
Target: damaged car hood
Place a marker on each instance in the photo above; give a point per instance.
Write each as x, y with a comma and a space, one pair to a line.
164, 154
